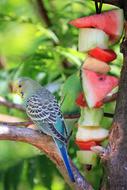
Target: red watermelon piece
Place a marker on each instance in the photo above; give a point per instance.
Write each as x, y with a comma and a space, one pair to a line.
97, 86
103, 54
86, 145
80, 101
111, 22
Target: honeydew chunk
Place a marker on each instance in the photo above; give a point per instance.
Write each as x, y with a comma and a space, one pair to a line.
90, 38
90, 117
87, 157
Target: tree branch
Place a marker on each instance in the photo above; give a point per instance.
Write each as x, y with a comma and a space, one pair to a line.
66, 116
116, 163
110, 98
43, 12
29, 122
46, 145
11, 105
24, 123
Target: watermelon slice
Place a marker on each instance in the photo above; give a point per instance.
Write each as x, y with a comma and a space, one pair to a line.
97, 86
86, 145
96, 65
80, 101
103, 54
90, 38
110, 22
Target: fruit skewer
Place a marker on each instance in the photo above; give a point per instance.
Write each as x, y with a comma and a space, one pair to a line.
95, 36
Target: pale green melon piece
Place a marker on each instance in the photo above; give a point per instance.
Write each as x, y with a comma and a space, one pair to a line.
87, 157
90, 38
90, 117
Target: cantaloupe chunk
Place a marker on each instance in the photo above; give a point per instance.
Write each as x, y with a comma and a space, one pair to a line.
96, 65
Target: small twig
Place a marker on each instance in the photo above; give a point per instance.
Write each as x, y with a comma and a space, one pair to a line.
72, 116
101, 151
24, 123
112, 2
66, 116
27, 123
110, 115
111, 98
43, 12
11, 105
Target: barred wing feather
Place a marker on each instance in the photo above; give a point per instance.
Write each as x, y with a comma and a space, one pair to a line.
46, 111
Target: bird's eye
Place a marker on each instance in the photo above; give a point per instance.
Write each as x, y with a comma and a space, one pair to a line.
20, 86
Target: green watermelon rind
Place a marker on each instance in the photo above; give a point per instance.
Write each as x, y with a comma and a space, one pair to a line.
87, 93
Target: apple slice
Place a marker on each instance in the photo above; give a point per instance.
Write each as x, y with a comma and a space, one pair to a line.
96, 65
89, 134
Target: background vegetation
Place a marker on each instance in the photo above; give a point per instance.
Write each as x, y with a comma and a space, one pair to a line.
37, 41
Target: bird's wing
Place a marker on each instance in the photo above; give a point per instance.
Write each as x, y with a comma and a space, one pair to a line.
46, 111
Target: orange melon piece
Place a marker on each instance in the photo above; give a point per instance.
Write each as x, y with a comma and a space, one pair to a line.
96, 65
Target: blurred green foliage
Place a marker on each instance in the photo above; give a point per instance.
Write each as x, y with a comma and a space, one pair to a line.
47, 52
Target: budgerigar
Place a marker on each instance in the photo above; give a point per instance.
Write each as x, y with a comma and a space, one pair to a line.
43, 109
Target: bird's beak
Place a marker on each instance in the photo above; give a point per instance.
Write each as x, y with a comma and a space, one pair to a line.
15, 88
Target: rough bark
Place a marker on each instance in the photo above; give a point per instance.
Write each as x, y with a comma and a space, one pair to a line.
116, 163
115, 160
43, 13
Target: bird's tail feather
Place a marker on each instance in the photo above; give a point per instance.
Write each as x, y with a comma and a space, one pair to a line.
64, 154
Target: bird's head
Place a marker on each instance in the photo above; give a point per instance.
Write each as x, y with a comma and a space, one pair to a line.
25, 87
